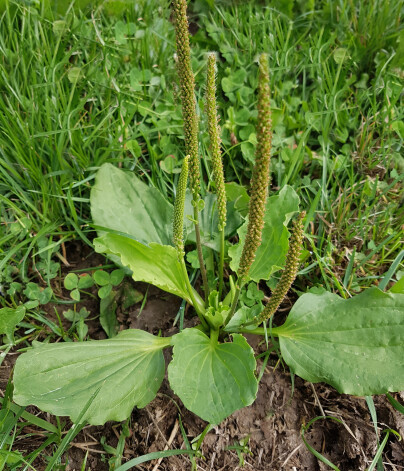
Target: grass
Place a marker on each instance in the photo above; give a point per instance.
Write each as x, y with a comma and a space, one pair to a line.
337, 116
78, 90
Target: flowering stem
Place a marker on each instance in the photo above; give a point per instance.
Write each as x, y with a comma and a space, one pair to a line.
187, 86
239, 285
258, 331
221, 262
260, 176
197, 303
217, 164
200, 255
178, 237
259, 182
288, 275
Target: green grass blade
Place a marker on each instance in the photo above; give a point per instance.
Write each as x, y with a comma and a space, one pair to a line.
153, 456
373, 414
390, 272
76, 428
32, 419
395, 403
311, 449
381, 448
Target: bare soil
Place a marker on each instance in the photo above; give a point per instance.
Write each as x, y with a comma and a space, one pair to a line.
273, 423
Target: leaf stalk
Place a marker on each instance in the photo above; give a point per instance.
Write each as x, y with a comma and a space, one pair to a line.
197, 303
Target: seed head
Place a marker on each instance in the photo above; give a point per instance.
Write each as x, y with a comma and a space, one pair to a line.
178, 226
289, 272
187, 86
215, 141
261, 176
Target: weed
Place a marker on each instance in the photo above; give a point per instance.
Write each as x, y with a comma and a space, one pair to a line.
337, 135
213, 366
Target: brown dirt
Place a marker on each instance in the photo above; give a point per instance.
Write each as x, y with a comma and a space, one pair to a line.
273, 423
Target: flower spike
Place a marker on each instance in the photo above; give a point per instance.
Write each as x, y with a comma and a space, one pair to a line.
289, 273
261, 176
178, 226
215, 141
187, 85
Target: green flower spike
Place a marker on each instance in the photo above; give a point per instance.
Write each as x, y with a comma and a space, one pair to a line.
187, 85
218, 177
289, 272
178, 226
260, 177
215, 141
178, 238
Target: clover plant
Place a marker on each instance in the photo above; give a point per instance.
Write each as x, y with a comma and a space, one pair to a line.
108, 292
355, 344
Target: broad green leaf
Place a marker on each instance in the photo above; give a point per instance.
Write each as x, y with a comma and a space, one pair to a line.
356, 345
9, 318
60, 378
271, 254
122, 202
238, 194
154, 263
212, 380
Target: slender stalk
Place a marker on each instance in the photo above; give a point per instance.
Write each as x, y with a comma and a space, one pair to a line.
257, 331
234, 303
200, 255
221, 262
197, 303
214, 336
187, 86
217, 164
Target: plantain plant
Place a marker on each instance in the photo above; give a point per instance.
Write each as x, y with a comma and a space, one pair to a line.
355, 345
